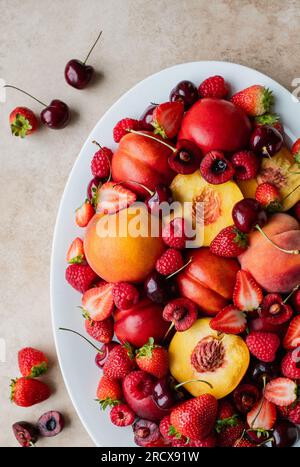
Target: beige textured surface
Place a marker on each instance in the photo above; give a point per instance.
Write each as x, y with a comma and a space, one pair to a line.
140, 37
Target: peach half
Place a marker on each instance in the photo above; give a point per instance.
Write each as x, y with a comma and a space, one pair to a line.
200, 353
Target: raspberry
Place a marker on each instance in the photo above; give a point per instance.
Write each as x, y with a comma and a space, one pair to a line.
215, 86
169, 262
182, 312
125, 295
263, 345
246, 165
215, 168
122, 415
80, 276
174, 233
290, 365
100, 165
123, 126
101, 331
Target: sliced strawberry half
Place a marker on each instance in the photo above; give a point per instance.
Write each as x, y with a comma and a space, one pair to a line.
247, 294
167, 119
292, 338
112, 198
281, 391
84, 214
262, 416
98, 303
75, 254
230, 320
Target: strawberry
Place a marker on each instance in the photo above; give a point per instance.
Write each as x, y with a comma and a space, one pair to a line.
27, 391
269, 197
125, 295
263, 345
32, 362
153, 359
109, 392
101, 163
229, 320
291, 412
122, 415
292, 338
247, 294
167, 119
101, 331
296, 151
195, 418
80, 276
262, 416
120, 362
290, 365
97, 303
214, 86
255, 100
23, 122
228, 425
112, 198
170, 262
270, 120
173, 233
164, 428
281, 391
84, 214
208, 442
75, 254
124, 126
229, 242
246, 165
243, 443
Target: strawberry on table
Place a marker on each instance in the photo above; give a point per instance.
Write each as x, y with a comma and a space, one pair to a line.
23, 122
109, 392
153, 359
254, 100
124, 126
281, 391
292, 338
75, 254
32, 362
113, 197
98, 303
84, 214
269, 197
80, 276
214, 86
120, 362
263, 345
101, 331
262, 416
27, 391
229, 242
167, 119
195, 418
247, 294
230, 320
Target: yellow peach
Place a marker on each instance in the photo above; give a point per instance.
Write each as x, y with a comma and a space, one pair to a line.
201, 353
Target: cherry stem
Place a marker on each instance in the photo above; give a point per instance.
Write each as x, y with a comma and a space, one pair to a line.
153, 137
151, 193
168, 331
267, 152
290, 294
92, 48
83, 337
32, 445
180, 269
290, 252
193, 381
24, 92
100, 147
291, 192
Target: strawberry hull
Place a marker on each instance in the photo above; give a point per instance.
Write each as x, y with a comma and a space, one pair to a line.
216, 124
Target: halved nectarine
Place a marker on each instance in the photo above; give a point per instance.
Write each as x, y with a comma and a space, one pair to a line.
202, 353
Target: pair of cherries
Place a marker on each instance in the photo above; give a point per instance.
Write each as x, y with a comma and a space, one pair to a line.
78, 74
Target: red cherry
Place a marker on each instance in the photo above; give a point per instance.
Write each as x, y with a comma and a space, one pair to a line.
248, 213
77, 73
266, 141
186, 158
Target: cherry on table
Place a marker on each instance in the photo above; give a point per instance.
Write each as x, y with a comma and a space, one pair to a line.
77, 73
266, 141
56, 115
25, 433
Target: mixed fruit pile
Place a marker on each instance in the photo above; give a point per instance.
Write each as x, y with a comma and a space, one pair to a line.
208, 338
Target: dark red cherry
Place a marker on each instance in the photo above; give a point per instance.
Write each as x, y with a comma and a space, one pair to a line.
104, 352
162, 194
159, 289
146, 118
248, 213
56, 115
186, 158
260, 370
163, 394
186, 92
284, 435
25, 433
266, 140
245, 396
77, 73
